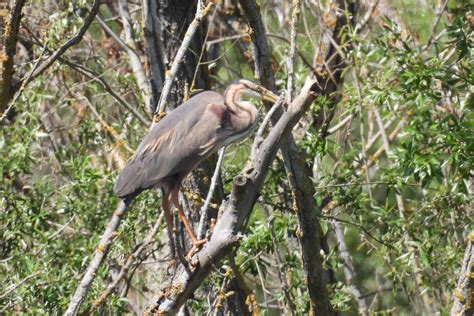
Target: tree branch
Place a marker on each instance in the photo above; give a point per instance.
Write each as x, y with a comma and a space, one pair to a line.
204, 210
96, 77
282, 272
73, 41
99, 256
291, 58
6, 56
124, 270
464, 293
155, 49
349, 271
178, 59
137, 66
300, 182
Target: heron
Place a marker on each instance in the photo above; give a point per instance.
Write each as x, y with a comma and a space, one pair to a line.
185, 137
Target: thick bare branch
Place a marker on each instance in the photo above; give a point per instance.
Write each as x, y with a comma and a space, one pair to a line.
155, 49
6, 56
300, 182
464, 293
291, 58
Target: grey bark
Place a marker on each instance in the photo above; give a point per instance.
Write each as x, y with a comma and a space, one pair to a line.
300, 182
463, 296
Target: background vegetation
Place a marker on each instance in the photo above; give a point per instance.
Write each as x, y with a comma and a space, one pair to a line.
391, 167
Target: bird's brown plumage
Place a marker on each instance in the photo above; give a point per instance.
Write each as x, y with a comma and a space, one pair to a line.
184, 137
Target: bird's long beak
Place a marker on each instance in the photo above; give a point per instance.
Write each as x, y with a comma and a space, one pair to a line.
266, 94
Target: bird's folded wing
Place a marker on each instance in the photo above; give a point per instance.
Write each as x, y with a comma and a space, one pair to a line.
176, 145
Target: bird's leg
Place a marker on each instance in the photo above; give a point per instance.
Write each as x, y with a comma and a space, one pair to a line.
165, 204
196, 243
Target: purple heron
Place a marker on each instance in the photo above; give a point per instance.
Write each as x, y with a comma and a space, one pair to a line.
184, 138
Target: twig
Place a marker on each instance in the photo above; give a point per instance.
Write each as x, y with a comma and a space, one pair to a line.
377, 135
22, 87
91, 75
361, 24
262, 284
130, 260
439, 14
359, 226
291, 58
13, 287
178, 59
100, 253
349, 271
373, 158
263, 125
95, 77
341, 124
204, 210
406, 232
136, 63
106, 126
281, 267
362, 183
463, 298
73, 41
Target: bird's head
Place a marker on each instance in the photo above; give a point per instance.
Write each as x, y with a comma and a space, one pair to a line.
246, 88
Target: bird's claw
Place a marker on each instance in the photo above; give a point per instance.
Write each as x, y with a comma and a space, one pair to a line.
197, 244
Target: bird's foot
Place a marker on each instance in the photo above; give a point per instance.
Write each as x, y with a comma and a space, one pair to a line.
172, 264
197, 244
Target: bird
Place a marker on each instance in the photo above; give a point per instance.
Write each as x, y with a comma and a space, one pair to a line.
185, 137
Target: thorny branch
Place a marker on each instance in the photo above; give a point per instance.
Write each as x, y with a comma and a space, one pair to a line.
424, 303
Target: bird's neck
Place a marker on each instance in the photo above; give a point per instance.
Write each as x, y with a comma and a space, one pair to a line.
243, 114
